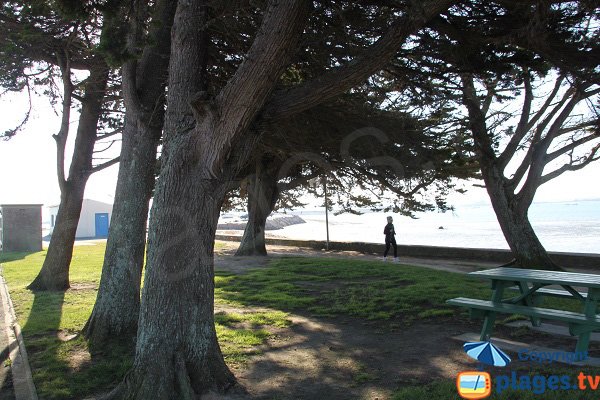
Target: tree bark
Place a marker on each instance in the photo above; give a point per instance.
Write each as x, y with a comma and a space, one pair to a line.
262, 197
54, 274
116, 311
177, 353
514, 222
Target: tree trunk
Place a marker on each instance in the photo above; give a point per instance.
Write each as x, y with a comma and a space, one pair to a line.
205, 146
262, 197
177, 354
116, 311
514, 222
54, 274
518, 232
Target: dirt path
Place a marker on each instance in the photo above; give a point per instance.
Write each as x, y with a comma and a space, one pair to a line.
225, 258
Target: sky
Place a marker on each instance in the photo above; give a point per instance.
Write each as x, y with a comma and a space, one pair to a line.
28, 165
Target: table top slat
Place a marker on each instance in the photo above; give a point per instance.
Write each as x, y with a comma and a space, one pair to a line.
540, 276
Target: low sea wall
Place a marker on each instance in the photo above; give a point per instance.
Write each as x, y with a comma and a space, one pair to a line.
573, 260
271, 224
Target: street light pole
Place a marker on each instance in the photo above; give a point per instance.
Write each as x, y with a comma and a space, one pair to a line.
326, 210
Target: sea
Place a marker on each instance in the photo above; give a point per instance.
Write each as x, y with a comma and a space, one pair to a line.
561, 226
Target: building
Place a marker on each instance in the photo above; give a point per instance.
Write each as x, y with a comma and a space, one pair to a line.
93, 222
21, 227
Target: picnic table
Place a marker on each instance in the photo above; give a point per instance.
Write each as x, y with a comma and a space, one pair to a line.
532, 286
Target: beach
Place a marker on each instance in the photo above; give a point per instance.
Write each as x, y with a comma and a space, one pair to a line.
561, 226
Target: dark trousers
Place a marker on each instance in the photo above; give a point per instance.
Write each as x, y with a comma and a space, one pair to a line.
389, 242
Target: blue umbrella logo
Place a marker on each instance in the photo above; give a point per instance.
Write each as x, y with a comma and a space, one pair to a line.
487, 353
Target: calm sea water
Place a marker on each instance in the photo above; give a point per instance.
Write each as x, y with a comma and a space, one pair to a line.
569, 227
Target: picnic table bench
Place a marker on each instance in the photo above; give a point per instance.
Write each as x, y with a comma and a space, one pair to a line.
533, 286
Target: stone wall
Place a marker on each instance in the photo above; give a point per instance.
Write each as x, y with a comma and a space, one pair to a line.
271, 224
21, 227
572, 260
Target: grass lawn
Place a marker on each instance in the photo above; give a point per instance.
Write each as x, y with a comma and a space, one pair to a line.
63, 367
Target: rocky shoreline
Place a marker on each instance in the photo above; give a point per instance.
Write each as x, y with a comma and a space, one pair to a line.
272, 223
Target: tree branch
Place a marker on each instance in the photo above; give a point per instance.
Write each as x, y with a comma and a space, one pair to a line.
239, 102
109, 134
570, 147
61, 137
477, 121
538, 160
593, 156
44, 47
13, 131
112, 142
283, 187
104, 165
512, 146
292, 101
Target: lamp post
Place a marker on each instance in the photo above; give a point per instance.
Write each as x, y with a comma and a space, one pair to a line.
323, 180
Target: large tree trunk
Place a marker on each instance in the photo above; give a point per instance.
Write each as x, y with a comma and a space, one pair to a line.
177, 353
514, 222
54, 274
116, 311
262, 197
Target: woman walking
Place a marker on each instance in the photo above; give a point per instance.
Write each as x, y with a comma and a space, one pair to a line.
390, 239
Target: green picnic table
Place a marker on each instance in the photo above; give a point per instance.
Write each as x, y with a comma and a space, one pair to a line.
532, 286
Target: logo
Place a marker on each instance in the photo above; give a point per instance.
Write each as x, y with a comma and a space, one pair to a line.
478, 384
487, 353
474, 384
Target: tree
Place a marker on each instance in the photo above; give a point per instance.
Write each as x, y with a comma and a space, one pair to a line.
224, 38
145, 56
207, 142
41, 45
144, 74
482, 59
54, 274
364, 151
546, 136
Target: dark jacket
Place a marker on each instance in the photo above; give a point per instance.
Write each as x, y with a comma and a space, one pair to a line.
389, 232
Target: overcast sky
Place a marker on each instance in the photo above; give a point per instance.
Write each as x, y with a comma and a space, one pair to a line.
28, 165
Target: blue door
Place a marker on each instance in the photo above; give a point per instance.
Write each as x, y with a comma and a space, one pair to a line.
101, 225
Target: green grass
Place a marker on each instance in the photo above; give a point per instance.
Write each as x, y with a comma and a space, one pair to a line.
65, 369
365, 289
371, 290
240, 334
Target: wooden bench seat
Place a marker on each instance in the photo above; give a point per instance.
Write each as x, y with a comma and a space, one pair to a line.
574, 319
553, 292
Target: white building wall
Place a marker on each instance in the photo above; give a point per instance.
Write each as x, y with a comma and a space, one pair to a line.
87, 221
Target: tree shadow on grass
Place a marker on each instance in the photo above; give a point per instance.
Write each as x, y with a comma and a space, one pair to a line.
344, 354
43, 345
13, 256
63, 365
